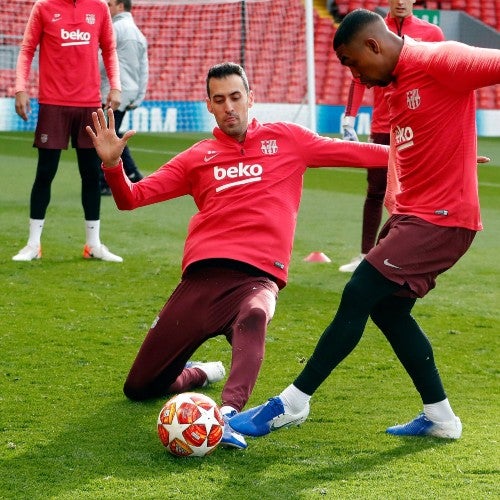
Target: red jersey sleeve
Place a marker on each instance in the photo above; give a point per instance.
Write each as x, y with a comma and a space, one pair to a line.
168, 182
30, 41
354, 98
107, 43
319, 151
462, 67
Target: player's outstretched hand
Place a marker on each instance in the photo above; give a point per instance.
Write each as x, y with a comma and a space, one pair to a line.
108, 145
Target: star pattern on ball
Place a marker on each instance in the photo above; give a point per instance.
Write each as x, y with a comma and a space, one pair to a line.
190, 424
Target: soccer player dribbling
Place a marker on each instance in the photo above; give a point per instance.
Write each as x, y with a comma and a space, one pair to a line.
433, 200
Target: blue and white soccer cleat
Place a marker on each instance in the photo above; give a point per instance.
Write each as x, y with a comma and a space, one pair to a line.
422, 426
231, 438
268, 417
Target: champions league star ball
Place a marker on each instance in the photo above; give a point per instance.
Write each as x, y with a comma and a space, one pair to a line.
190, 425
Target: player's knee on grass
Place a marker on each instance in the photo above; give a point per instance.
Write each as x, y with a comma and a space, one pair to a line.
134, 393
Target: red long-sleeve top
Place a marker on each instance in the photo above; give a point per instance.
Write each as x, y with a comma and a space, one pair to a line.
432, 111
247, 194
69, 33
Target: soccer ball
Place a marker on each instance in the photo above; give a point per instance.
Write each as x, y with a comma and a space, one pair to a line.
190, 425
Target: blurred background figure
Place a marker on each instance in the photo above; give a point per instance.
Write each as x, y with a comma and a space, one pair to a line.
132, 49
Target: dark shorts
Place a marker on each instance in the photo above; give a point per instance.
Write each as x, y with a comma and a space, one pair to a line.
377, 177
56, 124
413, 252
380, 138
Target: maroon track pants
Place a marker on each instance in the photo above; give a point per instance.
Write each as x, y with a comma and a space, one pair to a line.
209, 301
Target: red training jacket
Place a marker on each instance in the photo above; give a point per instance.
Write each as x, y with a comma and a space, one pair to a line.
247, 194
432, 110
69, 33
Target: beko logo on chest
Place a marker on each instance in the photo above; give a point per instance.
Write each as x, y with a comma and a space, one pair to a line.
404, 137
239, 174
76, 37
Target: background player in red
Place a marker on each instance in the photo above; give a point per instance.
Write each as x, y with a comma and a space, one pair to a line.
399, 20
247, 184
435, 215
69, 35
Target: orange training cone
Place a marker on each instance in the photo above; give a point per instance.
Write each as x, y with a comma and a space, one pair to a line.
317, 257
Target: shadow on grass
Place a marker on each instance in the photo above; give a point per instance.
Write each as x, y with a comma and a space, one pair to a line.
116, 444
287, 472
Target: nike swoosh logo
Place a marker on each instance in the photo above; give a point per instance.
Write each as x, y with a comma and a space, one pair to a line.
388, 264
210, 157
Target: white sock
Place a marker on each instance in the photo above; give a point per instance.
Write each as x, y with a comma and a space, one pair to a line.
92, 231
36, 228
227, 410
294, 399
439, 412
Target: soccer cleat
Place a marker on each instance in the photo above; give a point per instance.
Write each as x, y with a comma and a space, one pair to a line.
214, 370
268, 417
100, 252
231, 438
351, 267
422, 426
28, 253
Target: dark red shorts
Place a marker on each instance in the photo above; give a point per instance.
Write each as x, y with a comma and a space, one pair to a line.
56, 124
380, 138
377, 178
413, 252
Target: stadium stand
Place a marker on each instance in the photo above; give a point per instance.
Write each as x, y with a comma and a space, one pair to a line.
180, 50
486, 11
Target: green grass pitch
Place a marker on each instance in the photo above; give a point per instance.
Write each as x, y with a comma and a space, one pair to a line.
70, 330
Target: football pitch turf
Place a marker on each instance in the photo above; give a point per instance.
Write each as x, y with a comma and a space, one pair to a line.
70, 329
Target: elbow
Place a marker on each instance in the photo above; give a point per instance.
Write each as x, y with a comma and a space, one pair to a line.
124, 205
125, 208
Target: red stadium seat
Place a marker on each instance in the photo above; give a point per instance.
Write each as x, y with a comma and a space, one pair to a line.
273, 64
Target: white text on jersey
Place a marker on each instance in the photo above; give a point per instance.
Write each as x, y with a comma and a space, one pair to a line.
243, 174
77, 37
404, 137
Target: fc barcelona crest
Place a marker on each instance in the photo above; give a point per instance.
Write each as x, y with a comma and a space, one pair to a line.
90, 18
269, 147
413, 99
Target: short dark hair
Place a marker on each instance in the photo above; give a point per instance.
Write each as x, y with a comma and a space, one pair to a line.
127, 4
225, 69
352, 24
